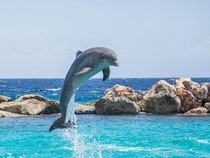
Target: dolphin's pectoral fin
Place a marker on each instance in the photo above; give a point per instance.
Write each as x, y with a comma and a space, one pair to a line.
106, 72
84, 70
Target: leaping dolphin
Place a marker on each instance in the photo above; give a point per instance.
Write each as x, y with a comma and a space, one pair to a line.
86, 64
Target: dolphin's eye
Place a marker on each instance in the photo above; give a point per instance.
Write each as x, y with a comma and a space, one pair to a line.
103, 57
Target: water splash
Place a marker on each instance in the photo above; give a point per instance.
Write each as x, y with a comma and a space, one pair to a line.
76, 142
79, 142
72, 134
70, 110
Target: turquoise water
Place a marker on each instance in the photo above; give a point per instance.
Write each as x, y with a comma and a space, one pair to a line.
107, 136
100, 136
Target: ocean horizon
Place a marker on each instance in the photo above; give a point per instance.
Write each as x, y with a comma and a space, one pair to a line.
142, 135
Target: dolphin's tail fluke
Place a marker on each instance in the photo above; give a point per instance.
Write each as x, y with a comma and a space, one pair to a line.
61, 123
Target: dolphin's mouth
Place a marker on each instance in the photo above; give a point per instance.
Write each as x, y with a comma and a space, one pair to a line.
116, 63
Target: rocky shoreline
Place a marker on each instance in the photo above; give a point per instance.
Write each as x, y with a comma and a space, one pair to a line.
183, 97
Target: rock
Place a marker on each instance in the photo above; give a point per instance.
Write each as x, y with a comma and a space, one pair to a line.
31, 96
197, 111
190, 93
162, 86
207, 106
127, 92
26, 107
162, 104
4, 98
119, 90
179, 83
5, 106
85, 109
109, 105
162, 99
208, 86
9, 114
31, 105
142, 105
118, 100
136, 97
201, 92
51, 108
188, 101
198, 91
208, 96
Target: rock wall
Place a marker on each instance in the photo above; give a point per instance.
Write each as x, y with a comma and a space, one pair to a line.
184, 96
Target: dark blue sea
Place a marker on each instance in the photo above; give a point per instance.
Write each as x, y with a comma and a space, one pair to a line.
100, 136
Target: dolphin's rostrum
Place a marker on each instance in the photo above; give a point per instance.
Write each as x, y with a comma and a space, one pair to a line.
86, 64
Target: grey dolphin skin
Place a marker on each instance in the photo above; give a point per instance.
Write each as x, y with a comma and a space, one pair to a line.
86, 64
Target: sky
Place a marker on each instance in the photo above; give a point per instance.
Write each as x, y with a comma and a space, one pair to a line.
152, 38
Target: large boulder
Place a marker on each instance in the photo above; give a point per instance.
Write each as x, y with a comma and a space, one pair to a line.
127, 92
4, 98
190, 93
31, 105
188, 101
162, 99
116, 105
51, 106
118, 100
198, 91
26, 107
197, 111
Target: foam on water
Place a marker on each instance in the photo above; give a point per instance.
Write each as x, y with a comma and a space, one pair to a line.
53, 89
200, 141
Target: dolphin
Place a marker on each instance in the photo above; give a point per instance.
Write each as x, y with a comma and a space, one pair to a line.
86, 64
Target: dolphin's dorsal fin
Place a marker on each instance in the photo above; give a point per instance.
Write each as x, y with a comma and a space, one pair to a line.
84, 70
78, 53
106, 72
